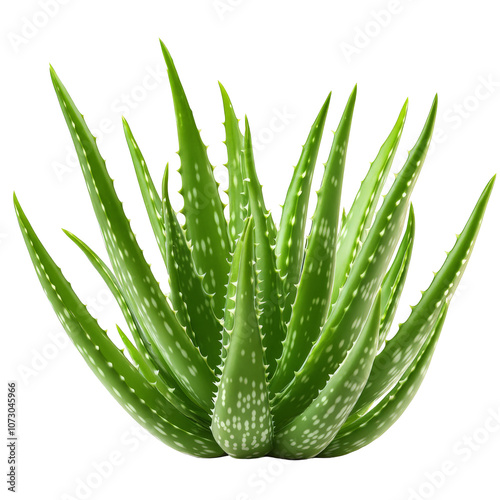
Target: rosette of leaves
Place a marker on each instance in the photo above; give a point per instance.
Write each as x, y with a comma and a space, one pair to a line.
268, 342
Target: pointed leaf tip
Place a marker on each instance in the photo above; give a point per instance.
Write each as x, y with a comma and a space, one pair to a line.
327, 102
485, 195
223, 90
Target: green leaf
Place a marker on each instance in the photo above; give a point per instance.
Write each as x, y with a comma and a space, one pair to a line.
139, 286
290, 241
242, 423
361, 214
142, 401
238, 199
394, 280
206, 226
188, 296
148, 353
231, 297
143, 364
400, 350
269, 285
380, 418
352, 308
148, 190
311, 431
314, 289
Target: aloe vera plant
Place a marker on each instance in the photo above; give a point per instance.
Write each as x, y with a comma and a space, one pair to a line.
268, 343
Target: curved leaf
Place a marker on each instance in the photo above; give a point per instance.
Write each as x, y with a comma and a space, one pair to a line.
290, 240
311, 431
361, 214
187, 293
148, 353
380, 418
400, 351
139, 286
394, 280
142, 401
148, 190
238, 199
314, 289
269, 286
351, 309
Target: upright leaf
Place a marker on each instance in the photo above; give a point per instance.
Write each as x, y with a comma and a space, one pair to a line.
238, 199
361, 214
268, 286
242, 423
351, 309
187, 293
148, 190
394, 280
231, 296
290, 241
315, 286
206, 225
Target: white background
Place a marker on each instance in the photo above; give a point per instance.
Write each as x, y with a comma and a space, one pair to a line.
275, 58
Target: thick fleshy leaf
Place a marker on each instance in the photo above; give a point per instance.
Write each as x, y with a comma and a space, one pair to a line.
311, 431
351, 309
400, 350
206, 226
314, 289
242, 423
394, 280
139, 286
187, 292
372, 424
143, 364
238, 199
148, 353
231, 296
269, 286
268, 343
361, 214
141, 400
149, 193
290, 241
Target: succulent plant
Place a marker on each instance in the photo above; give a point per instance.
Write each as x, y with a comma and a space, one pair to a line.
268, 343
